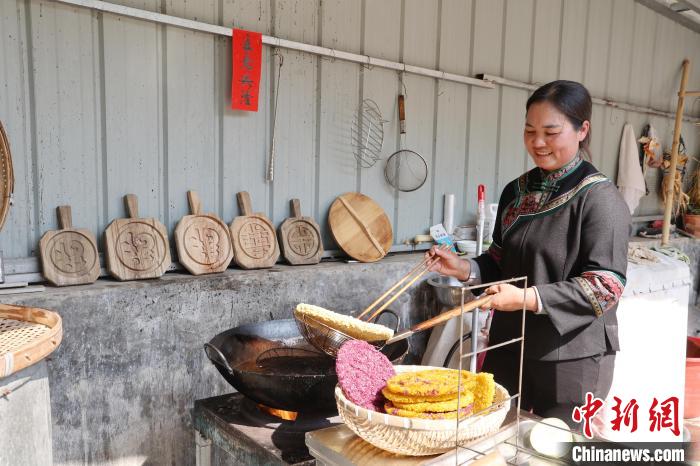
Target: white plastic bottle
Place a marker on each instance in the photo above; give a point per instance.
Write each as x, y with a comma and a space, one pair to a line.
491, 212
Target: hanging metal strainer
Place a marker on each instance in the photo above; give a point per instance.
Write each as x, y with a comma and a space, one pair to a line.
367, 133
405, 170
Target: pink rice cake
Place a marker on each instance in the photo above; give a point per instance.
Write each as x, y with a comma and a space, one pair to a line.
362, 373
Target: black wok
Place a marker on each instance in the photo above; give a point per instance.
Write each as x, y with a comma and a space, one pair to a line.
291, 383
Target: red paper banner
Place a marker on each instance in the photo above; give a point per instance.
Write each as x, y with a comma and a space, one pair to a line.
245, 76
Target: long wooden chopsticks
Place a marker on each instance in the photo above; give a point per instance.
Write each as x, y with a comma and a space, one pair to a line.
420, 269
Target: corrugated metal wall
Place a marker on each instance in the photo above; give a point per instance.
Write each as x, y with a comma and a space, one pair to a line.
98, 105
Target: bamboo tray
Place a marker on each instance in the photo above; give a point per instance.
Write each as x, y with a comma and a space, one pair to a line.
420, 437
27, 335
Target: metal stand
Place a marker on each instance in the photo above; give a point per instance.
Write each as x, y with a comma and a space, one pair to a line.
511, 441
460, 449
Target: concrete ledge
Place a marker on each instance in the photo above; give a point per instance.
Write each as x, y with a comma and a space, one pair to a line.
131, 362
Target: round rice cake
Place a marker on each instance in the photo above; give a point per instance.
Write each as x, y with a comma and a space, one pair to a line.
406, 399
437, 407
394, 411
430, 383
362, 373
484, 391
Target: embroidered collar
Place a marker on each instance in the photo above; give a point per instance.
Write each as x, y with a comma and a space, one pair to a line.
562, 172
538, 193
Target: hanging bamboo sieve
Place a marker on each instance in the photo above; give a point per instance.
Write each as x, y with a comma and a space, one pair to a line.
27, 335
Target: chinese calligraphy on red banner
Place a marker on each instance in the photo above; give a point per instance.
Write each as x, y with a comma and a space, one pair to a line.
662, 415
245, 76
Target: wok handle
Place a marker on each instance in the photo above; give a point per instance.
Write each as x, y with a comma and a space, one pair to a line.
217, 357
388, 311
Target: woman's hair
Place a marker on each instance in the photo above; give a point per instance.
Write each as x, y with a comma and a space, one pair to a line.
571, 99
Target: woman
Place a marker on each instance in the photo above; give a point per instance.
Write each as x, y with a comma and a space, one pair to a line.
564, 226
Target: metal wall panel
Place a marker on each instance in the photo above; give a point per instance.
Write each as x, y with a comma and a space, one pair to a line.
546, 40
449, 165
133, 116
420, 43
573, 39
64, 44
338, 102
191, 126
98, 105
517, 59
245, 136
382, 39
296, 122
19, 237
485, 104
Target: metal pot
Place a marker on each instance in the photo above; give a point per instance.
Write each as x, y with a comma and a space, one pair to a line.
292, 383
448, 292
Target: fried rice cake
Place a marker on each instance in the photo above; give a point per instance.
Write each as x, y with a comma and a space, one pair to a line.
394, 411
438, 406
428, 385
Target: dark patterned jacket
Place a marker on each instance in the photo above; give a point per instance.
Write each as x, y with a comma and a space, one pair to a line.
567, 231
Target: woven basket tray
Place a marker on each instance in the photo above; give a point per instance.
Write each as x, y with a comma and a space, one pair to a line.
27, 335
419, 437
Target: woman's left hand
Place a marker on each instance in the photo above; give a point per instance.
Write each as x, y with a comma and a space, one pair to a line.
506, 297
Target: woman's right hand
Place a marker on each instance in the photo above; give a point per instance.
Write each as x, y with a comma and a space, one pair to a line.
449, 263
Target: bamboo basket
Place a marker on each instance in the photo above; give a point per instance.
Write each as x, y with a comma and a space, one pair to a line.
7, 176
27, 335
420, 437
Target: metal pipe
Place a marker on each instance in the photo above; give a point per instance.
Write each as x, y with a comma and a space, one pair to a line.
275, 41
596, 100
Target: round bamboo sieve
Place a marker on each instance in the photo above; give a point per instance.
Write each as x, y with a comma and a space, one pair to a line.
27, 335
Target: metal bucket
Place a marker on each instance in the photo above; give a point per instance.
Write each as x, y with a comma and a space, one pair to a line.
447, 291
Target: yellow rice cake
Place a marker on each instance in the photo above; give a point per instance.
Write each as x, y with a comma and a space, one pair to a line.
349, 325
438, 406
394, 411
484, 391
429, 385
399, 398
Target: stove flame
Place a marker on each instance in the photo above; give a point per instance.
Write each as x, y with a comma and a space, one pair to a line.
279, 413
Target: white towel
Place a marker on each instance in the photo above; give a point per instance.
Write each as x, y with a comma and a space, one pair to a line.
630, 179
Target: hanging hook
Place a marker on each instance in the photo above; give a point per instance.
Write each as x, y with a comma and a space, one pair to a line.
613, 118
278, 54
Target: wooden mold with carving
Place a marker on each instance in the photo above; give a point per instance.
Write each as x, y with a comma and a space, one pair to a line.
136, 248
253, 237
300, 238
69, 255
203, 241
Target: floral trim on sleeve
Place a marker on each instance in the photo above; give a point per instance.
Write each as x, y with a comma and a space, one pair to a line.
603, 289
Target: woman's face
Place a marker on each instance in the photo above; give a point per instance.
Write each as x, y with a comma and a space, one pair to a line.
550, 138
